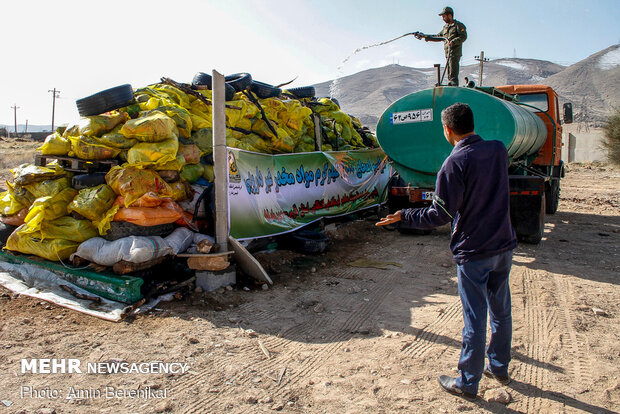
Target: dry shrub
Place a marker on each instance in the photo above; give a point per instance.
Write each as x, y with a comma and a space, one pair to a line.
612, 138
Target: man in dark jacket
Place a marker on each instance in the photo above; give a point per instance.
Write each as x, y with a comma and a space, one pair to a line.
472, 192
453, 34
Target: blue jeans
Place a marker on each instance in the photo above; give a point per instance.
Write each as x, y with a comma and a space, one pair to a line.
483, 285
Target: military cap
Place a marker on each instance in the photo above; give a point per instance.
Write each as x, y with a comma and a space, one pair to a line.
447, 10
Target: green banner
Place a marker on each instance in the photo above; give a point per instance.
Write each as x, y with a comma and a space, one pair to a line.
273, 194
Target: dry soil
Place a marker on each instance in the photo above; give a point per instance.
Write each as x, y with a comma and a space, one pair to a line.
328, 337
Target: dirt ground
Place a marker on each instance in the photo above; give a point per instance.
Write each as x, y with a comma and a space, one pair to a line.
329, 337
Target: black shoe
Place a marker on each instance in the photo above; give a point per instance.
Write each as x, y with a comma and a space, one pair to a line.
449, 384
502, 379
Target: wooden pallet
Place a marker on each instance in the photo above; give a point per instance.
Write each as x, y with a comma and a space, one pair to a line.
76, 164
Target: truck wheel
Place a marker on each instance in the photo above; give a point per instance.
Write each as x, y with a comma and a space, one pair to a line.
552, 197
105, 101
239, 81
535, 238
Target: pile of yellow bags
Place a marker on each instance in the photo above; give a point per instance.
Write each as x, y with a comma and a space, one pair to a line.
165, 133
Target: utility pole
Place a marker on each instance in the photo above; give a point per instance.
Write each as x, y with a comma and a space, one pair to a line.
482, 60
26, 128
15, 108
56, 94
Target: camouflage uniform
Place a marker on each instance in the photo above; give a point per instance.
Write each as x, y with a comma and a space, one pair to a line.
457, 33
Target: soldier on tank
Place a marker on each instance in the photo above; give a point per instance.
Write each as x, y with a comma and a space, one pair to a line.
453, 34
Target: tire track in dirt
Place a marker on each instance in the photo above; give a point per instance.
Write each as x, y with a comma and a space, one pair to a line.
427, 336
539, 324
578, 344
291, 343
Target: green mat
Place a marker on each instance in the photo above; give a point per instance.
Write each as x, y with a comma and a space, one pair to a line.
121, 288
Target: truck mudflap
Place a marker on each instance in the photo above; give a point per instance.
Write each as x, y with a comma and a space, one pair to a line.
527, 207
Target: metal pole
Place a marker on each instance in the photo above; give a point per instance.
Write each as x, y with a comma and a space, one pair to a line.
15, 108
482, 60
26, 129
54, 91
220, 161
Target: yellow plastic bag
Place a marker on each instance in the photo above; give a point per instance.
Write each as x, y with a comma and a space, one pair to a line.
180, 116
55, 144
20, 194
115, 139
29, 173
49, 208
48, 187
191, 153
155, 127
203, 138
208, 173
154, 154
9, 205
132, 183
90, 148
25, 241
176, 165
93, 202
178, 191
68, 228
192, 172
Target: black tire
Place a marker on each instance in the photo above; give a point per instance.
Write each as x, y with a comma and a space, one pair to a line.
239, 81
537, 237
202, 79
105, 101
88, 180
230, 92
265, 90
334, 100
120, 229
552, 197
303, 92
5, 232
310, 242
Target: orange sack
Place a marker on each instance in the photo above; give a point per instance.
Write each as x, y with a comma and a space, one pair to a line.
167, 212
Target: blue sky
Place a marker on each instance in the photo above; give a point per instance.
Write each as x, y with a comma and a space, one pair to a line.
81, 47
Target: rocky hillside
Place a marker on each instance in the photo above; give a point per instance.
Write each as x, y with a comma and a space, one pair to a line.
591, 85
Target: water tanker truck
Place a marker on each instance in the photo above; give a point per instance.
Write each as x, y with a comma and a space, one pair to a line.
526, 118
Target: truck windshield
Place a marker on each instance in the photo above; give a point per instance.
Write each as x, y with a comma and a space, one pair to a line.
539, 100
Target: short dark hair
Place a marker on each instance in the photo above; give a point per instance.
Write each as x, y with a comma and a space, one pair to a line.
459, 118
